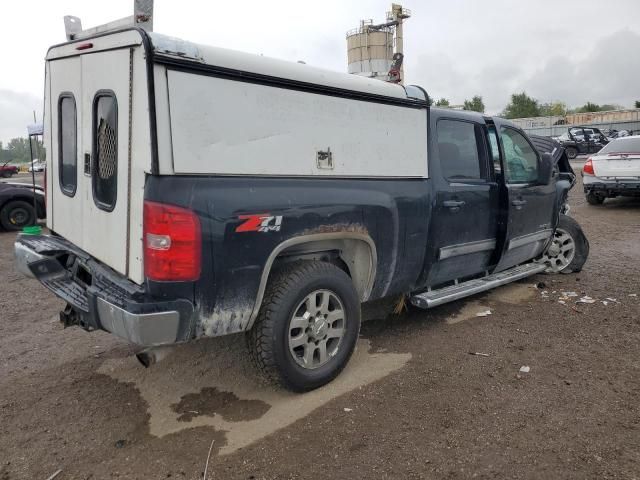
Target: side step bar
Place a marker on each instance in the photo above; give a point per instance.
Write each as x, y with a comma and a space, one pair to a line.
433, 298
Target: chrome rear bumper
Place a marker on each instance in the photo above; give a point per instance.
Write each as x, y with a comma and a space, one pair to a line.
102, 299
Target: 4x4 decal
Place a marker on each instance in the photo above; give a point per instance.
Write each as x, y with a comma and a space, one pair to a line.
259, 222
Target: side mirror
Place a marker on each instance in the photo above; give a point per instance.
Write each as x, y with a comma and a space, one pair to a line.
545, 169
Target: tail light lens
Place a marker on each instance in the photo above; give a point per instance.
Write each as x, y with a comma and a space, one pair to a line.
172, 243
588, 168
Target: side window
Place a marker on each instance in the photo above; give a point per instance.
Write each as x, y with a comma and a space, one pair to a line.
458, 146
521, 160
67, 144
577, 133
495, 150
105, 150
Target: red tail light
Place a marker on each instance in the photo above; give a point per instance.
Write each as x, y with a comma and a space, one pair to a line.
172, 243
588, 168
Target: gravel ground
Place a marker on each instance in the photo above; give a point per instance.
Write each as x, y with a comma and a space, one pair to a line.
414, 404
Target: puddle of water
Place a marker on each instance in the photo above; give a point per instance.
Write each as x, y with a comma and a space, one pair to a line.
210, 401
212, 383
514, 294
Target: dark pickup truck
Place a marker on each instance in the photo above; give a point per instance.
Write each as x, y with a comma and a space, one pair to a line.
580, 140
254, 195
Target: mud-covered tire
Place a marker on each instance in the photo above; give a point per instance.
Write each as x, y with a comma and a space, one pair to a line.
17, 214
593, 199
571, 152
269, 339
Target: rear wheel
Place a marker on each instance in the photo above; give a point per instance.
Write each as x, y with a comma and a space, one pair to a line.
571, 152
307, 327
17, 214
569, 248
593, 199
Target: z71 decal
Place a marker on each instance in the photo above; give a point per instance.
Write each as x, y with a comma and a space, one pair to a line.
260, 222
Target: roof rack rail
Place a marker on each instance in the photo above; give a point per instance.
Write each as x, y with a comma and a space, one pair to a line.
142, 17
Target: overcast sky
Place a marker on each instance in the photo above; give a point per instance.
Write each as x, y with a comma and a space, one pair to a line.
570, 50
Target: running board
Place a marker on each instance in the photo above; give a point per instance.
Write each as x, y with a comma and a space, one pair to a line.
433, 298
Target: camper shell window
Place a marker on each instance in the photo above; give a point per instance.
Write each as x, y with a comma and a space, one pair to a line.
105, 150
67, 144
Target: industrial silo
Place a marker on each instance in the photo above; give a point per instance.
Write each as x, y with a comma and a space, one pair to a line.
370, 51
371, 47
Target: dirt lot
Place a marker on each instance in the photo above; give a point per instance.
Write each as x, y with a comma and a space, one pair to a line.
412, 404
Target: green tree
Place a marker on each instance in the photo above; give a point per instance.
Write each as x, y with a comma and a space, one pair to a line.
553, 109
522, 106
475, 104
18, 150
588, 107
637, 103
594, 107
443, 102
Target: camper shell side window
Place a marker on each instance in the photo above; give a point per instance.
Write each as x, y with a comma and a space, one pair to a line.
67, 144
104, 175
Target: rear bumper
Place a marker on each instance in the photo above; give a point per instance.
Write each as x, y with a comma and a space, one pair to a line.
100, 298
607, 187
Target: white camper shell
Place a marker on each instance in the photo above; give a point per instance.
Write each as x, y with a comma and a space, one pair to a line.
124, 104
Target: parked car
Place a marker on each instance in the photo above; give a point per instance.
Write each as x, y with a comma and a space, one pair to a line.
255, 195
582, 140
614, 171
37, 167
16, 205
7, 171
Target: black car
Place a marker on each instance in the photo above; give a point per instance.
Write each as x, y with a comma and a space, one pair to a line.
16, 205
582, 140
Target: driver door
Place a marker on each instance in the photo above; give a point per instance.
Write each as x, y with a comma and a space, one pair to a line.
530, 213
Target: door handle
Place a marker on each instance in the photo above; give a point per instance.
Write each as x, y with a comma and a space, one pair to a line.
518, 203
453, 205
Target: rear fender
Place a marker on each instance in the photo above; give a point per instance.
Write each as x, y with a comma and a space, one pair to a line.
356, 250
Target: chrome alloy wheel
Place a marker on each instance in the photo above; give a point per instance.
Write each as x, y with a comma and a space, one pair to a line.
316, 329
560, 253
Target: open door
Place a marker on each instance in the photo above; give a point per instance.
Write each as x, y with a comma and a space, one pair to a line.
528, 219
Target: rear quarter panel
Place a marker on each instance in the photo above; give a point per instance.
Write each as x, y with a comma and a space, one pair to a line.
393, 213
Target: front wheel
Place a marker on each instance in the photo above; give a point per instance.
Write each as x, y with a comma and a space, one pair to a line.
307, 327
569, 248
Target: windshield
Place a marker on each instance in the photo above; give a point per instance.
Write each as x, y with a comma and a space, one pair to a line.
622, 145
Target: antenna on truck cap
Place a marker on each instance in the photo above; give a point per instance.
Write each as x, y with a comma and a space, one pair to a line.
142, 17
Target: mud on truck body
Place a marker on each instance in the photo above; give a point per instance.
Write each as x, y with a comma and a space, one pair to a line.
195, 192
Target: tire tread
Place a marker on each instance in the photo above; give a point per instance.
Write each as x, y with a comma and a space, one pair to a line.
260, 338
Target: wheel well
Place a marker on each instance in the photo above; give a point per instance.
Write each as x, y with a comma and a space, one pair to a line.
351, 255
354, 253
